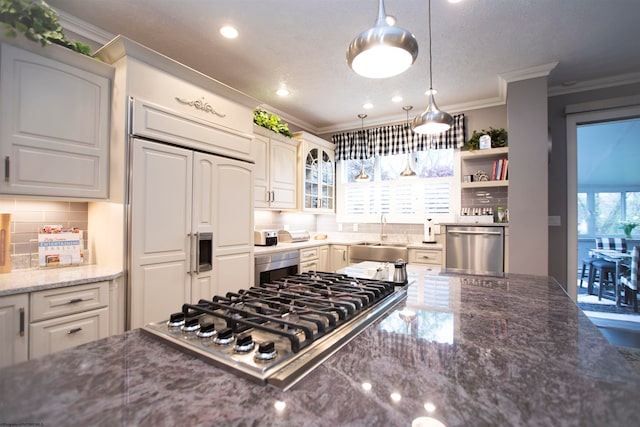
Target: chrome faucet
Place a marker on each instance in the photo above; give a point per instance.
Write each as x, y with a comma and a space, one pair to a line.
383, 221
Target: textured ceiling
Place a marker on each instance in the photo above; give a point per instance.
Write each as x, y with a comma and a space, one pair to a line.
302, 44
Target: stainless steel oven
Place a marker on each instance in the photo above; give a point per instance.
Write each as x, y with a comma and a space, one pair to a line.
276, 266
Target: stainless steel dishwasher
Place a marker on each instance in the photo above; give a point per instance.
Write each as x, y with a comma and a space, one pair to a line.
475, 250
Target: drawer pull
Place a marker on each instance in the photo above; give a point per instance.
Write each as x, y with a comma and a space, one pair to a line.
426, 256
75, 300
73, 331
21, 311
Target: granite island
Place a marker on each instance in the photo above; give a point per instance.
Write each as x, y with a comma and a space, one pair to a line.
479, 351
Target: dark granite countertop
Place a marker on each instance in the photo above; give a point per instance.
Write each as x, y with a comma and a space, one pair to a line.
480, 352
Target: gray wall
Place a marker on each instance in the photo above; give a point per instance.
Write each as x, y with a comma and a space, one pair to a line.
558, 169
528, 190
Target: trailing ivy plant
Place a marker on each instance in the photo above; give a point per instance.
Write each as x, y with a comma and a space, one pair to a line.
498, 138
38, 22
271, 121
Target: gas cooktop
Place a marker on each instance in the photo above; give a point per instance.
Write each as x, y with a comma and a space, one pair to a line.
277, 332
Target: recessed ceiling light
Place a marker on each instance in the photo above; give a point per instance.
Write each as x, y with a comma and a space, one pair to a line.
367, 106
454, 1
390, 20
396, 98
229, 32
283, 91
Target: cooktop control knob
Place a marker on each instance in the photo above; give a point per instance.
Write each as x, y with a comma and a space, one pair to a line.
176, 320
190, 328
207, 331
244, 343
225, 337
266, 351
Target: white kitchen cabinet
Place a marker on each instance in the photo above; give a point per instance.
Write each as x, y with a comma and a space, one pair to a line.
54, 122
66, 317
324, 259
317, 174
309, 259
339, 257
425, 256
233, 237
275, 170
190, 230
14, 333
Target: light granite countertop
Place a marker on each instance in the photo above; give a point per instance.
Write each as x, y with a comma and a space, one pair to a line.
288, 246
21, 281
481, 351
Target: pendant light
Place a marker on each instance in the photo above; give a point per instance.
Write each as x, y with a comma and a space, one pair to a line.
432, 120
362, 176
383, 50
407, 172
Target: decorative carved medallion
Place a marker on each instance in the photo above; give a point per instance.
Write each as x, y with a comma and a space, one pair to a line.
200, 104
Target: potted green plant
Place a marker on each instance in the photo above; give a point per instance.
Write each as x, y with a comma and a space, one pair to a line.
271, 121
498, 138
627, 227
38, 22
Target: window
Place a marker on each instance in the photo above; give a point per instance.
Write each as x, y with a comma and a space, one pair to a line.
601, 212
432, 193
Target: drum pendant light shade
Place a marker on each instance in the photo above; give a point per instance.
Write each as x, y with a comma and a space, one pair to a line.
432, 120
382, 51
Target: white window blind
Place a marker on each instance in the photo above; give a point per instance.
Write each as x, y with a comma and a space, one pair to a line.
408, 199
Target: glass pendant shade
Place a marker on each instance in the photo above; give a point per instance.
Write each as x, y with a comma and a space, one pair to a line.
432, 120
382, 51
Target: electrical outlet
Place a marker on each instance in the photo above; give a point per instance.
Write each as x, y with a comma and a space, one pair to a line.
286, 227
355, 227
339, 227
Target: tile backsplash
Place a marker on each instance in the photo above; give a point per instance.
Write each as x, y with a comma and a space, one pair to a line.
28, 215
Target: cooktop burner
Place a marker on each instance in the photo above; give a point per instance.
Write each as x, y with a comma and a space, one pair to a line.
278, 332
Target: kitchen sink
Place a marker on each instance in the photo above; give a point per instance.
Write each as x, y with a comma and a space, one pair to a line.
391, 244
378, 251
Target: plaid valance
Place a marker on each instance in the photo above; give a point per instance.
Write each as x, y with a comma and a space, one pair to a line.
395, 139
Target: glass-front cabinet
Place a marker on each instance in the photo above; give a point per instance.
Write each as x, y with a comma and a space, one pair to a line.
317, 160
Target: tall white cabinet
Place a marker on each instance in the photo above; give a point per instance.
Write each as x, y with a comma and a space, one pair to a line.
275, 172
187, 228
181, 173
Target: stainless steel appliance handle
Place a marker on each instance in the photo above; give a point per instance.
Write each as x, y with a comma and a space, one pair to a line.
197, 252
497, 233
7, 164
21, 311
190, 260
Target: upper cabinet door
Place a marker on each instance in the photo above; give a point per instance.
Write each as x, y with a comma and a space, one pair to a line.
318, 174
54, 125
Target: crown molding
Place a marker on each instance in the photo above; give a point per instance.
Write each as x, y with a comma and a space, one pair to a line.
529, 73
290, 119
83, 28
620, 80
